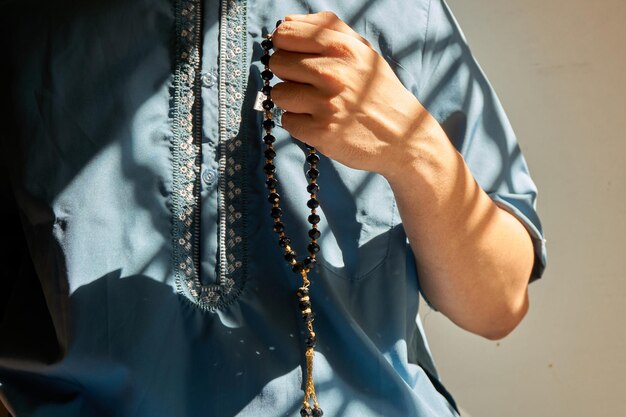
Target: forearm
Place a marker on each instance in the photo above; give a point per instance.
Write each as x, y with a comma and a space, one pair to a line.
474, 259
341, 96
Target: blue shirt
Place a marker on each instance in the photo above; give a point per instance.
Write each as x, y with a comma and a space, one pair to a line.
157, 287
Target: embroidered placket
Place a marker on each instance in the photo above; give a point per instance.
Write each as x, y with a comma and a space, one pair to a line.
186, 155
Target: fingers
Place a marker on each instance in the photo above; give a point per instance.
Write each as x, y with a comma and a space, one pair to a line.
314, 55
300, 126
316, 70
299, 98
308, 38
328, 20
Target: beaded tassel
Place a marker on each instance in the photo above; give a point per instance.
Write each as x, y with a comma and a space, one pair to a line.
310, 406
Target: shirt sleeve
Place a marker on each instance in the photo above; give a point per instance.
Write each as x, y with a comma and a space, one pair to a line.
454, 89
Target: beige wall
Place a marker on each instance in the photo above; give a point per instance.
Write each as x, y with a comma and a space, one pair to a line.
559, 68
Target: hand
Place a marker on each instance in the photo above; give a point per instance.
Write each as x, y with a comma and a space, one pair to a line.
473, 258
342, 97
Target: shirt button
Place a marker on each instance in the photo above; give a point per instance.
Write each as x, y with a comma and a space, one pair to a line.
209, 176
209, 78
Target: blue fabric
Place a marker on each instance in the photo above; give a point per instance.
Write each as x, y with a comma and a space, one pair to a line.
140, 301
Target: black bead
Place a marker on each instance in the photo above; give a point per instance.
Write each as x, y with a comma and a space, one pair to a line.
278, 227
267, 90
313, 173
308, 262
269, 139
305, 304
290, 256
265, 59
267, 75
314, 233
284, 241
269, 124
309, 147
270, 153
310, 341
314, 219
313, 203
308, 316
269, 168
271, 183
302, 292
273, 198
268, 104
313, 247
317, 412
312, 158
276, 212
305, 412
267, 44
278, 23
313, 188
297, 267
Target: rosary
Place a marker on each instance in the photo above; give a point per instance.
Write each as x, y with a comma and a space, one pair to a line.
310, 407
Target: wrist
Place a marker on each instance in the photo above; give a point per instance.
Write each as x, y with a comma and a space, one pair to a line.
421, 158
